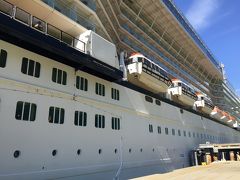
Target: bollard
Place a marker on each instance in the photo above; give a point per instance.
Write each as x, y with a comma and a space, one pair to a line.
208, 158
238, 156
231, 154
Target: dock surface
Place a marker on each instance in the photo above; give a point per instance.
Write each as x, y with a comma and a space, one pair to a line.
219, 170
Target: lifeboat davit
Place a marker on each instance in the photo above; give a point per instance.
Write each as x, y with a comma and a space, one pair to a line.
147, 74
216, 113
182, 93
204, 103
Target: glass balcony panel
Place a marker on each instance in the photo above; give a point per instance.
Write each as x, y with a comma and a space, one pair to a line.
6, 8
22, 16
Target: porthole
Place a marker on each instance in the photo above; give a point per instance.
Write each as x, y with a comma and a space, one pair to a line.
79, 151
153, 149
54, 152
115, 151
181, 111
141, 150
99, 151
16, 154
130, 150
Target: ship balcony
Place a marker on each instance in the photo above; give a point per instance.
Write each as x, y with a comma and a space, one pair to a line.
30, 32
38, 24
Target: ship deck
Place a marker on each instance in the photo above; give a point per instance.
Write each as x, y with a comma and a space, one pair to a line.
218, 170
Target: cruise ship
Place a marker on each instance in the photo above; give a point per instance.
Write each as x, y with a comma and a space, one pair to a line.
106, 89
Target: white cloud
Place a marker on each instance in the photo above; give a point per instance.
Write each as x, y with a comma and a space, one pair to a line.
200, 13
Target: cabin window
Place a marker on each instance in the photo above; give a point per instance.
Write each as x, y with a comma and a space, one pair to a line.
189, 134
166, 130
56, 115
80, 118
158, 102
173, 132
194, 134
100, 89
179, 84
197, 135
179, 132
99, 121
26, 111
184, 133
150, 128
30, 67
59, 76
81, 83
115, 94
159, 129
115, 123
3, 58
149, 99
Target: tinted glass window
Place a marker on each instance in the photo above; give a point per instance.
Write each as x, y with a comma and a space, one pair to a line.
80, 118
59, 76
81, 83
30, 67
148, 99
56, 115
100, 89
115, 94
3, 58
26, 111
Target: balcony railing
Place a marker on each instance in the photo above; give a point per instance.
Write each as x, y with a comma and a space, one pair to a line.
40, 25
184, 22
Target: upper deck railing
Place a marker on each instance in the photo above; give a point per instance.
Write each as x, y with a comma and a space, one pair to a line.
40, 25
187, 26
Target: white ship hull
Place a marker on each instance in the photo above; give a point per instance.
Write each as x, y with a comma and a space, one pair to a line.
139, 152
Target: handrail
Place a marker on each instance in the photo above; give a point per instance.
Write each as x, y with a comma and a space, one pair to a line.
36, 23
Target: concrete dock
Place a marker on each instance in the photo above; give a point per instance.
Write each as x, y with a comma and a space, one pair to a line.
218, 170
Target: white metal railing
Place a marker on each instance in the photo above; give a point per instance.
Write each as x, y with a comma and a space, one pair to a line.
40, 25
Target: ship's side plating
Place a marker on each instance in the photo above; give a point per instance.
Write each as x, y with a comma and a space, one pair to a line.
138, 147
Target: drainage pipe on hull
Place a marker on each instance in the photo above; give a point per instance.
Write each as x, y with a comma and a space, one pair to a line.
123, 66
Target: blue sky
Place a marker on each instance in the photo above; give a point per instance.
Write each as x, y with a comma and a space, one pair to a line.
218, 24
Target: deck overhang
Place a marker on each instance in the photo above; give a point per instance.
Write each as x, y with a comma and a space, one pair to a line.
158, 15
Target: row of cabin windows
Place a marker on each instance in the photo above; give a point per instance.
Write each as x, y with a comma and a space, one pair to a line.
33, 68
194, 135
27, 111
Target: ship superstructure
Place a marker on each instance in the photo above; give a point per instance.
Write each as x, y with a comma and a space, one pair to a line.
105, 89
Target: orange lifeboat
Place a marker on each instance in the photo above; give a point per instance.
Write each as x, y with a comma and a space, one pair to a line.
182, 93
225, 116
147, 74
216, 113
204, 103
